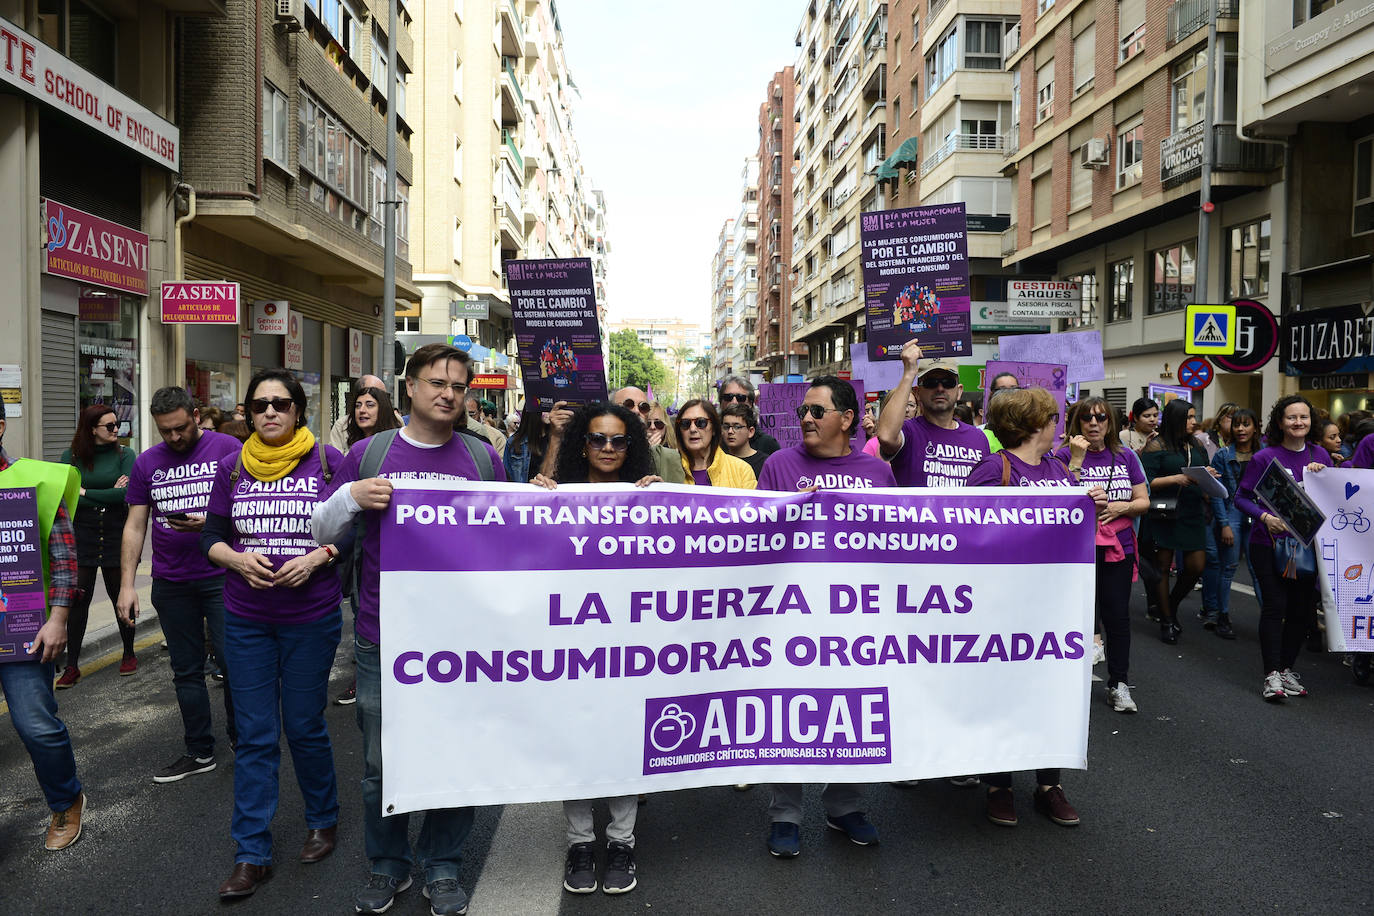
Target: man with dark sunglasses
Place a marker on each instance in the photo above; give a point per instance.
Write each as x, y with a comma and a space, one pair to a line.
170, 486
667, 461
736, 389
934, 449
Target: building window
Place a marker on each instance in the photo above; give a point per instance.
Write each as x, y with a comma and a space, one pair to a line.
458, 9
1130, 149
1304, 10
1044, 91
1171, 283
1247, 269
340, 18
983, 44
457, 240
915, 27
334, 161
1122, 278
1084, 58
1043, 6
407, 324
942, 61
1363, 216
1189, 92
275, 132
1087, 315
379, 57
1040, 201
1130, 20
1080, 182
457, 77
402, 218
457, 160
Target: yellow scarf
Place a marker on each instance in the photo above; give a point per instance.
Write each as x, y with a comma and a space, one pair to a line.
273, 462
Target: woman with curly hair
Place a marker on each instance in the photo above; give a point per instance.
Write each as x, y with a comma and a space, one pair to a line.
603, 443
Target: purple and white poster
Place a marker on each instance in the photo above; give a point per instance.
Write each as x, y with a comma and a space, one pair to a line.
915, 270
674, 637
777, 411
22, 603
1053, 378
557, 334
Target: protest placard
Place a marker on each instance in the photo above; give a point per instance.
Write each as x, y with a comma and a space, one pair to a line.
1050, 376
776, 406
673, 637
23, 605
1081, 351
915, 271
557, 333
1345, 555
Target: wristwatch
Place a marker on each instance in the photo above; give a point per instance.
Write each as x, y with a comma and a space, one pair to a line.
333, 554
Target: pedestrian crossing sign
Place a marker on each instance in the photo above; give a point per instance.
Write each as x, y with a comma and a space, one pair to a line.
1210, 330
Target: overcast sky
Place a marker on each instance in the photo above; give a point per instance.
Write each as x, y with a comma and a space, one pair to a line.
669, 111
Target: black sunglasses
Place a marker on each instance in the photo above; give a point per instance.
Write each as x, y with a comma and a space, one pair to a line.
655, 423
111, 427
642, 406
698, 422
931, 382
280, 405
816, 411
732, 398
599, 441
1095, 417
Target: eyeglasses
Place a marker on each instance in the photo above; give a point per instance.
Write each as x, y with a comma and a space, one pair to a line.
280, 405
1096, 417
698, 422
931, 382
599, 441
655, 424
110, 427
642, 406
733, 427
439, 384
816, 411
1054, 417
732, 398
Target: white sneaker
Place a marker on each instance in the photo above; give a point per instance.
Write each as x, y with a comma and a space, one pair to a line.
1292, 687
1099, 654
1273, 686
1120, 696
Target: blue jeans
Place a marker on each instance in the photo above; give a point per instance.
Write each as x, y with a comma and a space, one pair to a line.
1222, 562
386, 839
33, 710
185, 610
281, 680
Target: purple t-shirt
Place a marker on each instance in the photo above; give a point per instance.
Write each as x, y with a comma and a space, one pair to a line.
171, 482
793, 469
932, 456
404, 461
701, 478
1294, 462
1364, 453
273, 519
1116, 473
1048, 473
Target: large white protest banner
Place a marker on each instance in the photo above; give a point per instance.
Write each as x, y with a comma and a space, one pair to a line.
606, 640
1346, 558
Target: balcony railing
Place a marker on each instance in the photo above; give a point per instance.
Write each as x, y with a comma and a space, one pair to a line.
508, 139
1009, 241
1187, 16
514, 80
1011, 43
962, 142
1180, 158
1011, 140
935, 7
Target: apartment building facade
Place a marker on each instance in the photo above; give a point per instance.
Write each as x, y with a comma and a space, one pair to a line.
723, 317
841, 124
777, 355
744, 260
1106, 154
89, 162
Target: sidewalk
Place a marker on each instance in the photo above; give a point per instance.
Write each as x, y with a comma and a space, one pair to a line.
102, 630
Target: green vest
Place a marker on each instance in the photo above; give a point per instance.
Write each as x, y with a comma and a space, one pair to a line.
55, 484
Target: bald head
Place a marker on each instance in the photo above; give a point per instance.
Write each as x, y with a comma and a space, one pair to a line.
370, 381
633, 399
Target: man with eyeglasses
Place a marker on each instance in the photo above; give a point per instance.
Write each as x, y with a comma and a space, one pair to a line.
737, 428
170, 485
667, 461
934, 449
428, 448
736, 389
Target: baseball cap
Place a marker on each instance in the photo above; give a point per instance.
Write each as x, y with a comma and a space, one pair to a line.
939, 365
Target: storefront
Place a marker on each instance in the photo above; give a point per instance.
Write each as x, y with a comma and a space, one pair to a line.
1331, 351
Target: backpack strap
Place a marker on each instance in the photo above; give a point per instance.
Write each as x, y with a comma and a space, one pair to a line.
1006, 468
480, 457
375, 453
238, 469
371, 464
324, 464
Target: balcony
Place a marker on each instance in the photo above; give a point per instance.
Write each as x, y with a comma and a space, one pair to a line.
963, 142
1011, 140
512, 29
533, 209
512, 99
1011, 43
935, 7
1187, 16
509, 149
1009, 241
1180, 154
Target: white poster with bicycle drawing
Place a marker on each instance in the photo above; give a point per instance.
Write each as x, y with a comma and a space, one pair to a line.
1346, 555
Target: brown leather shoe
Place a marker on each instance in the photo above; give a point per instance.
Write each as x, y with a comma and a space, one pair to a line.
244, 880
65, 827
318, 844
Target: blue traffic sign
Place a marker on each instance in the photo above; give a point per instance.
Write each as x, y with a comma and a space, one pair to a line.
1195, 373
1210, 330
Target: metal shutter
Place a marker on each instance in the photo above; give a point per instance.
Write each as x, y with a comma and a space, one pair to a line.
1117, 398
59, 382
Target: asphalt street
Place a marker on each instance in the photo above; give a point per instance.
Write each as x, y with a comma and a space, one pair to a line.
1208, 801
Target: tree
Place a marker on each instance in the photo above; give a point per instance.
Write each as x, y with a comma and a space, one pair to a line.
633, 363
699, 382
681, 354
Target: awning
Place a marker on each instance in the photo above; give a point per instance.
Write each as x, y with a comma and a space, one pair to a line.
905, 157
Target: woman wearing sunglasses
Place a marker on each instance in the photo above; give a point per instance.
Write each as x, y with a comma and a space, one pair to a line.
281, 623
603, 443
1110, 465
660, 428
104, 466
704, 462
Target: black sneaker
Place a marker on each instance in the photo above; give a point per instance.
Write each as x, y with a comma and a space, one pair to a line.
579, 869
184, 766
349, 696
379, 894
619, 877
446, 898
1224, 628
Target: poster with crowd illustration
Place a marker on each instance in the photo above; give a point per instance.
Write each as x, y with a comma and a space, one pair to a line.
108, 368
915, 271
557, 334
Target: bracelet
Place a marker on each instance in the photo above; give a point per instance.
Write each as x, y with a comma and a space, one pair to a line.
333, 553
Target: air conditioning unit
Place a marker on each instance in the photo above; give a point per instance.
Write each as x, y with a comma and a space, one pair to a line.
290, 15
1093, 154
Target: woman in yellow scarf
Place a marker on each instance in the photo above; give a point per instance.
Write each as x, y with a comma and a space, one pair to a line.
282, 622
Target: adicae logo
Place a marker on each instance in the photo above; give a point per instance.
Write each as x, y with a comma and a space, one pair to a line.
672, 727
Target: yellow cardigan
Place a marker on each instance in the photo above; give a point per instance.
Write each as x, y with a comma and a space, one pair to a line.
725, 471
